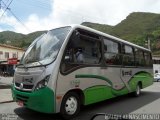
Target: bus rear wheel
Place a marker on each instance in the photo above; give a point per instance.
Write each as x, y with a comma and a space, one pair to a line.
70, 106
137, 92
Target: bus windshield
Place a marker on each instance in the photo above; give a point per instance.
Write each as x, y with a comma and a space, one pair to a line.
45, 48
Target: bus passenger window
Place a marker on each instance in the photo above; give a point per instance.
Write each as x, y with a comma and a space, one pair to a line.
81, 51
139, 58
79, 56
111, 52
128, 55
90, 53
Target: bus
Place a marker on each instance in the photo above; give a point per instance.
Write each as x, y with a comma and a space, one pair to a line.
51, 79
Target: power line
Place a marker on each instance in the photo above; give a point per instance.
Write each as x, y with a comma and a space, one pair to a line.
0, 4
40, 4
7, 1
19, 20
7, 8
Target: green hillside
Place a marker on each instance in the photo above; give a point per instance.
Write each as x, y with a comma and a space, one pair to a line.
136, 28
17, 39
100, 27
137, 24
8, 36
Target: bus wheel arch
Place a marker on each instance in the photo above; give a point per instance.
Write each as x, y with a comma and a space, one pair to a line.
137, 91
140, 84
80, 93
74, 96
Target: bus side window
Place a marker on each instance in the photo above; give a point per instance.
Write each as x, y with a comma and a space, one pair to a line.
139, 58
111, 52
82, 51
128, 55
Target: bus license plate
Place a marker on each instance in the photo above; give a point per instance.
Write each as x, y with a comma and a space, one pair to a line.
20, 103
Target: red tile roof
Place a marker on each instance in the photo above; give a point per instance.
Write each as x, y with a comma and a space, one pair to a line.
12, 47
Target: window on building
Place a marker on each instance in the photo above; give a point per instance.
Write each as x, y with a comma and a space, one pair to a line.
14, 55
156, 61
17, 55
6, 54
1, 52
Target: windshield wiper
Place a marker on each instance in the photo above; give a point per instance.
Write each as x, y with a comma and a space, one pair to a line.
41, 64
22, 65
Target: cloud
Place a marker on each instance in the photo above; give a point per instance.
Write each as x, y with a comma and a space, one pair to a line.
75, 12
1, 30
101, 11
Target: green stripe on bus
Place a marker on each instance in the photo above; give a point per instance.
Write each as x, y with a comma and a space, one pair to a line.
94, 76
101, 92
145, 78
97, 93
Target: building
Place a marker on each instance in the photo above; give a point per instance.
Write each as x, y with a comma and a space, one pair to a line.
156, 63
9, 57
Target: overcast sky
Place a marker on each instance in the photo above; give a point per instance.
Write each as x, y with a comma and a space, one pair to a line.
36, 15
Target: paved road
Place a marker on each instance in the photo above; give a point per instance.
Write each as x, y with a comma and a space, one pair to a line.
148, 102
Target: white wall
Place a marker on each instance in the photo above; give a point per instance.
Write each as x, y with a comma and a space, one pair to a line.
156, 67
11, 51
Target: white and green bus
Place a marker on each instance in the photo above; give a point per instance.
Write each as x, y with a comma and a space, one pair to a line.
51, 79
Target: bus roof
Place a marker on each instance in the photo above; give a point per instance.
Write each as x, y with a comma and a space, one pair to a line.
107, 35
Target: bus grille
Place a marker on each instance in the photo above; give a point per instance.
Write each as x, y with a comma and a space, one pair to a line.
24, 86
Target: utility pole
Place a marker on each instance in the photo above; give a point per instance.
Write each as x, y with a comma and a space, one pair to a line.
149, 43
0, 4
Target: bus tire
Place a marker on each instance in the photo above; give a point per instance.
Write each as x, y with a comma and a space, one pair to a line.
70, 106
137, 92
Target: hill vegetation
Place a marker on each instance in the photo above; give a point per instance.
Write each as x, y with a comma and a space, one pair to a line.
138, 27
18, 39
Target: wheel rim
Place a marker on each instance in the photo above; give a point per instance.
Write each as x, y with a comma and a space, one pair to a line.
71, 105
138, 90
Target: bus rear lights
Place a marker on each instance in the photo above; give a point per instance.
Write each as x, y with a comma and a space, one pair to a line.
43, 83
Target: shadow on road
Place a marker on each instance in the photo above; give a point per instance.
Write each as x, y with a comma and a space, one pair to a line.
27, 114
119, 105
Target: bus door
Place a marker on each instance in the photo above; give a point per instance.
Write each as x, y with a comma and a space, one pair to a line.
113, 61
81, 66
128, 65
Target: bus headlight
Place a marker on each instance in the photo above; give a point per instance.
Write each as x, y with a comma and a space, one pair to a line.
43, 83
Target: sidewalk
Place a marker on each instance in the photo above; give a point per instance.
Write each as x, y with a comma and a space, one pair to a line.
5, 96
5, 89
4, 86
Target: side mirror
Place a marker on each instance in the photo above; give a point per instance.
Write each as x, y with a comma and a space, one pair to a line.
67, 58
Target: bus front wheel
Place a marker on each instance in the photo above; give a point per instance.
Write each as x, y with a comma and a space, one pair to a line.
70, 106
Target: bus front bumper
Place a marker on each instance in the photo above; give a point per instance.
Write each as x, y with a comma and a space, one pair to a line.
42, 100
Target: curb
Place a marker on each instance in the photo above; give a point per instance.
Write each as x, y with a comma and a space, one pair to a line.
9, 101
2, 86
